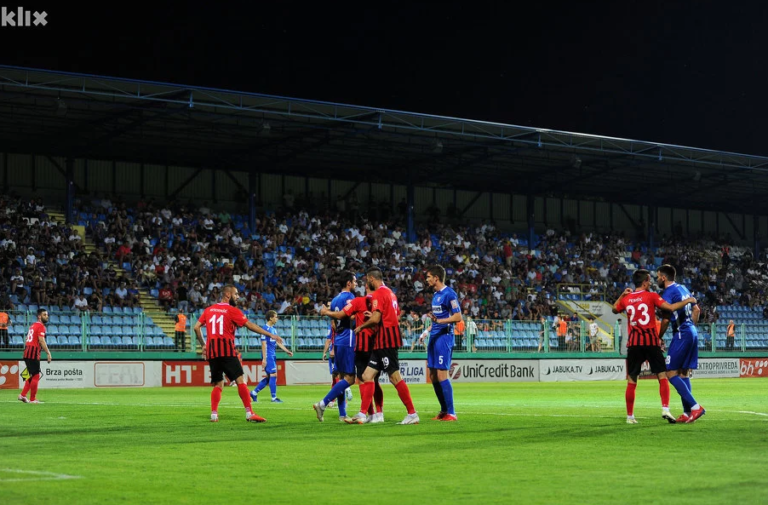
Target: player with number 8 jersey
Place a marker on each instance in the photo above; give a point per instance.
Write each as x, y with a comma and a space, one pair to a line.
643, 343
221, 321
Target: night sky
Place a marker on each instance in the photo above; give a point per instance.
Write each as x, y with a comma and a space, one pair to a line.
662, 72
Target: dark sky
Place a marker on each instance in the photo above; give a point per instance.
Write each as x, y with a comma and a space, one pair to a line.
665, 72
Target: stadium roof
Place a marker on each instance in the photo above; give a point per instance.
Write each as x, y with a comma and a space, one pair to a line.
87, 116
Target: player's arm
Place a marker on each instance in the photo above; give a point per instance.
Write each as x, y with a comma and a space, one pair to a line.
372, 321
325, 347
263, 353
455, 318
199, 334
41, 339
285, 349
258, 329
676, 306
664, 325
335, 314
616, 305
695, 314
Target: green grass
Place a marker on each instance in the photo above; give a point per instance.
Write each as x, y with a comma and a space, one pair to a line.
514, 443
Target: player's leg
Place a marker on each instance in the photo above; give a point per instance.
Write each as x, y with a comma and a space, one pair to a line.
217, 381
634, 362
27, 382
392, 368
378, 399
264, 382
233, 368
682, 352
367, 388
432, 360
345, 366
444, 350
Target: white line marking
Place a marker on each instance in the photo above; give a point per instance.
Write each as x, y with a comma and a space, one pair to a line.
38, 475
256, 406
753, 413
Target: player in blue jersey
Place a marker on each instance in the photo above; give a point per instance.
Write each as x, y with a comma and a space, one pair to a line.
268, 362
683, 354
445, 312
343, 347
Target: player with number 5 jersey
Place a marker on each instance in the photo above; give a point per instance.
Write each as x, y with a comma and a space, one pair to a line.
445, 312
220, 321
643, 343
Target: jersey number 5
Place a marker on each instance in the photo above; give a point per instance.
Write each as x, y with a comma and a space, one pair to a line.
645, 318
213, 321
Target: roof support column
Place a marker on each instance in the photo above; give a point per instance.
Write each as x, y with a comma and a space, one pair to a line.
756, 235
252, 188
69, 165
410, 196
529, 213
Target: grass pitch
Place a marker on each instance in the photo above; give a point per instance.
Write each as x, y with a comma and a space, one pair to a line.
514, 443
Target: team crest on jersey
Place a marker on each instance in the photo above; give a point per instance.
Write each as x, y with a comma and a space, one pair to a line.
455, 304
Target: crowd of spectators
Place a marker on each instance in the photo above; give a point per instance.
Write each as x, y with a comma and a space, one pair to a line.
186, 253
45, 263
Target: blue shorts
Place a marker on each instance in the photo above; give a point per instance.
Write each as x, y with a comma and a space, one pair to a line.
331, 366
683, 351
345, 360
439, 351
271, 365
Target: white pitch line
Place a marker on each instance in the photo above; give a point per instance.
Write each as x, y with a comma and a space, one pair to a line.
503, 414
753, 413
39, 475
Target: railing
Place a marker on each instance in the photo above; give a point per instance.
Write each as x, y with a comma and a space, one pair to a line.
130, 330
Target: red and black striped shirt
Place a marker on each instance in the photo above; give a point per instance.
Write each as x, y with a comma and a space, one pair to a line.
388, 330
221, 321
32, 347
641, 317
357, 307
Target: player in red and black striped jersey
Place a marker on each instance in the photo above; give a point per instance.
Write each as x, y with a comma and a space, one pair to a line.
34, 344
360, 308
385, 320
643, 343
221, 321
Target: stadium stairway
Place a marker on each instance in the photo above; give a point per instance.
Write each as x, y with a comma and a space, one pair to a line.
149, 304
601, 311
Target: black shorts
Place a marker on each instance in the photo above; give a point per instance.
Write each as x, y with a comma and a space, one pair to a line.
361, 362
384, 360
33, 366
638, 355
230, 366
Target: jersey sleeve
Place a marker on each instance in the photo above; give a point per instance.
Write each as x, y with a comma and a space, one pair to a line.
354, 306
621, 305
263, 338
202, 318
39, 331
237, 317
453, 302
378, 301
657, 300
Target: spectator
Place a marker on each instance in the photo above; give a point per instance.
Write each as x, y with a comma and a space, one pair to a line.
165, 297
81, 303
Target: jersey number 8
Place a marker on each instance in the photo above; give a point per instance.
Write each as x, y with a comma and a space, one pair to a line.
30, 335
